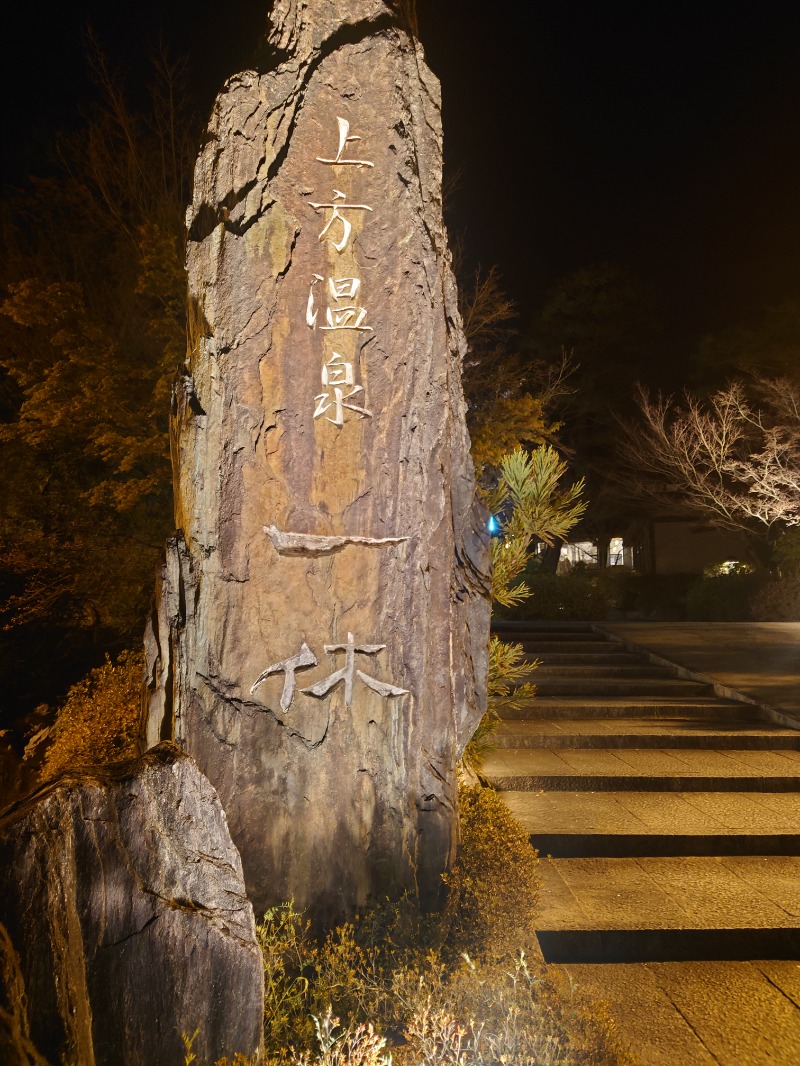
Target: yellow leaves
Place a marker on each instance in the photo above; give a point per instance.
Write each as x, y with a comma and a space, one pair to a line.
92, 328
99, 720
88, 394
509, 422
496, 878
35, 303
289, 952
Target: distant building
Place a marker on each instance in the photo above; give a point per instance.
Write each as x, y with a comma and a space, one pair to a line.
661, 545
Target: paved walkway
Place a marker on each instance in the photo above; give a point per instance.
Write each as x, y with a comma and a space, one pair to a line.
669, 819
760, 660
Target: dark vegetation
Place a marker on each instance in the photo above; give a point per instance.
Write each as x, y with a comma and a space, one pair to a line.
735, 593
91, 332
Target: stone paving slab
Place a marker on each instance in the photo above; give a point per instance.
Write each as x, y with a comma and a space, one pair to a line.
625, 671
603, 894
620, 686
759, 659
770, 762
702, 1013
654, 763
613, 657
584, 643
656, 812
666, 892
776, 877
590, 706
678, 725
645, 733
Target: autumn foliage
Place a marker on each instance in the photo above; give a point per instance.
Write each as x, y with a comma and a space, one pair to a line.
91, 332
99, 721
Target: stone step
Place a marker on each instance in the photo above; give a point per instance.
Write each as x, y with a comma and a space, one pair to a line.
590, 707
690, 731
596, 658
634, 845
603, 670
585, 824
590, 686
667, 945
637, 769
669, 908
590, 645
701, 1013
500, 626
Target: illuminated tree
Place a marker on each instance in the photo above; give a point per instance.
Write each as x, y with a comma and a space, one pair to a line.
733, 459
91, 331
509, 397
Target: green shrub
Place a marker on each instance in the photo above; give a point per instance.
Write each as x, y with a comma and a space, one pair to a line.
507, 688
648, 595
786, 553
776, 600
574, 597
588, 595
723, 598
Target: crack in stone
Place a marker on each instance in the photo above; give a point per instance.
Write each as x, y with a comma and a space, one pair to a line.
238, 703
699, 1039
130, 936
783, 992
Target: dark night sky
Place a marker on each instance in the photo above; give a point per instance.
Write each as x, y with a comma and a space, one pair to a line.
664, 137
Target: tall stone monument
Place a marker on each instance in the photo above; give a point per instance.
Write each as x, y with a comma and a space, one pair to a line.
319, 639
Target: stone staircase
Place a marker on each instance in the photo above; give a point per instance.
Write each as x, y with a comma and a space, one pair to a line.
668, 821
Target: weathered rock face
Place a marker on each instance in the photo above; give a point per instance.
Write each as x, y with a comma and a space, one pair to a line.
124, 921
320, 638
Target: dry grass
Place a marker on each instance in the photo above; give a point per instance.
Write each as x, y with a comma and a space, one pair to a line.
465, 988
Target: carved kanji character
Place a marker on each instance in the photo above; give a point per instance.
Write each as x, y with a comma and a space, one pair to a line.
339, 401
343, 288
337, 371
304, 659
336, 207
346, 318
345, 138
311, 312
348, 673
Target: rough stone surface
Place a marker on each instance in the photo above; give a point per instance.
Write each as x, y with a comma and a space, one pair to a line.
297, 531
124, 921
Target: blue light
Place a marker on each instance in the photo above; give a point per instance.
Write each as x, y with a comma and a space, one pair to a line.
494, 525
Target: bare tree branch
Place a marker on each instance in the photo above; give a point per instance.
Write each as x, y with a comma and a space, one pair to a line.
733, 459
